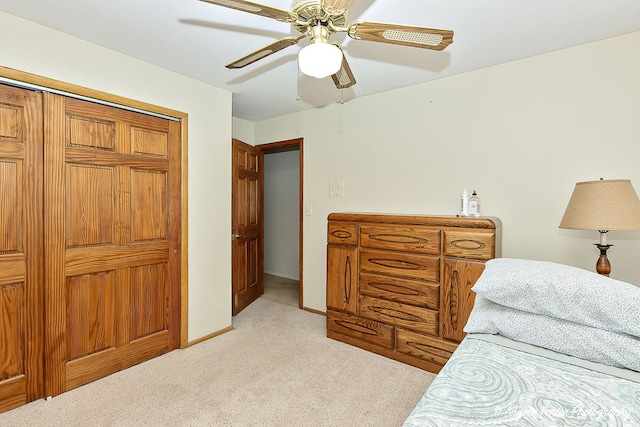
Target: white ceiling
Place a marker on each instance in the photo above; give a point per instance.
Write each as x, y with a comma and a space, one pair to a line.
198, 39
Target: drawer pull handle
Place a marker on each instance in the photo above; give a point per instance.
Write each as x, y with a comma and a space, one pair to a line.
455, 295
467, 244
347, 279
396, 289
396, 263
397, 238
357, 328
341, 234
396, 314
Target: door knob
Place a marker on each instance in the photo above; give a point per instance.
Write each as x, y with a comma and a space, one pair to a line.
237, 236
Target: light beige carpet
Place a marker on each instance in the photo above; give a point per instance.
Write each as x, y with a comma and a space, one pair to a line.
276, 368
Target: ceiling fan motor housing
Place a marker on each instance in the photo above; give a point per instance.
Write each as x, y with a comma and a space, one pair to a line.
310, 10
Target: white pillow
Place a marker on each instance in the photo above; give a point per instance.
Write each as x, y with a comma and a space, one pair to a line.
562, 291
562, 336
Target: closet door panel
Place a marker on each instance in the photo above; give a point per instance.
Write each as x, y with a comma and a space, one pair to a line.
149, 206
91, 313
113, 289
86, 131
149, 287
12, 330
146, 141
89, 205
11, 222
21, 232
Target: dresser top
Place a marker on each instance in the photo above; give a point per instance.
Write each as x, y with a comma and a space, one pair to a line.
416, 219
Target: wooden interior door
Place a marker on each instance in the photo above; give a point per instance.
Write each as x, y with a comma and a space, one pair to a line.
112, 236
247, 225
21, 276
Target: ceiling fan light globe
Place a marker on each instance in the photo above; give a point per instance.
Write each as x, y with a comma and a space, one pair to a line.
320, 60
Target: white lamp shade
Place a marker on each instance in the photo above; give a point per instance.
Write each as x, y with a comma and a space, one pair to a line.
320, 60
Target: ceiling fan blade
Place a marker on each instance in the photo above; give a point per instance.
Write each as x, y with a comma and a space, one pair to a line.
256, 8
426, 38
335, 7
265, 51
344, 77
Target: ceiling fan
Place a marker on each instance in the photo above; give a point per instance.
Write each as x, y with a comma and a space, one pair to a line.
319, 19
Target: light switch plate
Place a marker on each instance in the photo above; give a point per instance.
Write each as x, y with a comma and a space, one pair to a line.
336, 188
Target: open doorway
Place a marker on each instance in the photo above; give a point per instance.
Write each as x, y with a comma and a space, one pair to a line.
283, 217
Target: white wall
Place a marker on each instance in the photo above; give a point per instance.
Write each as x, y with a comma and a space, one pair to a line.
521, 133
39, 50
282, 214
243, 130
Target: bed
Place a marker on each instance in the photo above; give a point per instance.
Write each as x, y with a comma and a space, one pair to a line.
546, 345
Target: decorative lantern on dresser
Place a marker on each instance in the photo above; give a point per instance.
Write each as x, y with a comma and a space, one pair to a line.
400, 285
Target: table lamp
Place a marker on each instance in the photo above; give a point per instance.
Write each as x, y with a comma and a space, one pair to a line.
603, 205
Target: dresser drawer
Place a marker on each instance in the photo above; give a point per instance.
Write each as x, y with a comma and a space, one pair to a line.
423, 347
472, 245
342, 234
403, 291
407, 316
407, 265
409, 239
362, 329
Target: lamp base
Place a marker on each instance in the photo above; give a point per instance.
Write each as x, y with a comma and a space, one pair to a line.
603, 266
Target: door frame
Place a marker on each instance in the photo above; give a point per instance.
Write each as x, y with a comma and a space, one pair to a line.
279, 147
71, 89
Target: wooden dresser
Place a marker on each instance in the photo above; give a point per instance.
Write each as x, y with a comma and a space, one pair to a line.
399, 285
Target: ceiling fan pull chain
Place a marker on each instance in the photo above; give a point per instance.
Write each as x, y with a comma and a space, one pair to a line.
298, 97
342, 93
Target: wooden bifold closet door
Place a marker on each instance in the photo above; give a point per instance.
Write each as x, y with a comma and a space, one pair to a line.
112, 221
89, 242
21, 261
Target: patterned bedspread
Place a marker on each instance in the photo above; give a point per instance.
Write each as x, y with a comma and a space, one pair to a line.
486, 384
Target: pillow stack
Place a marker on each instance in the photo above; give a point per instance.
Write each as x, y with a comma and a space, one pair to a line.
562, 308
